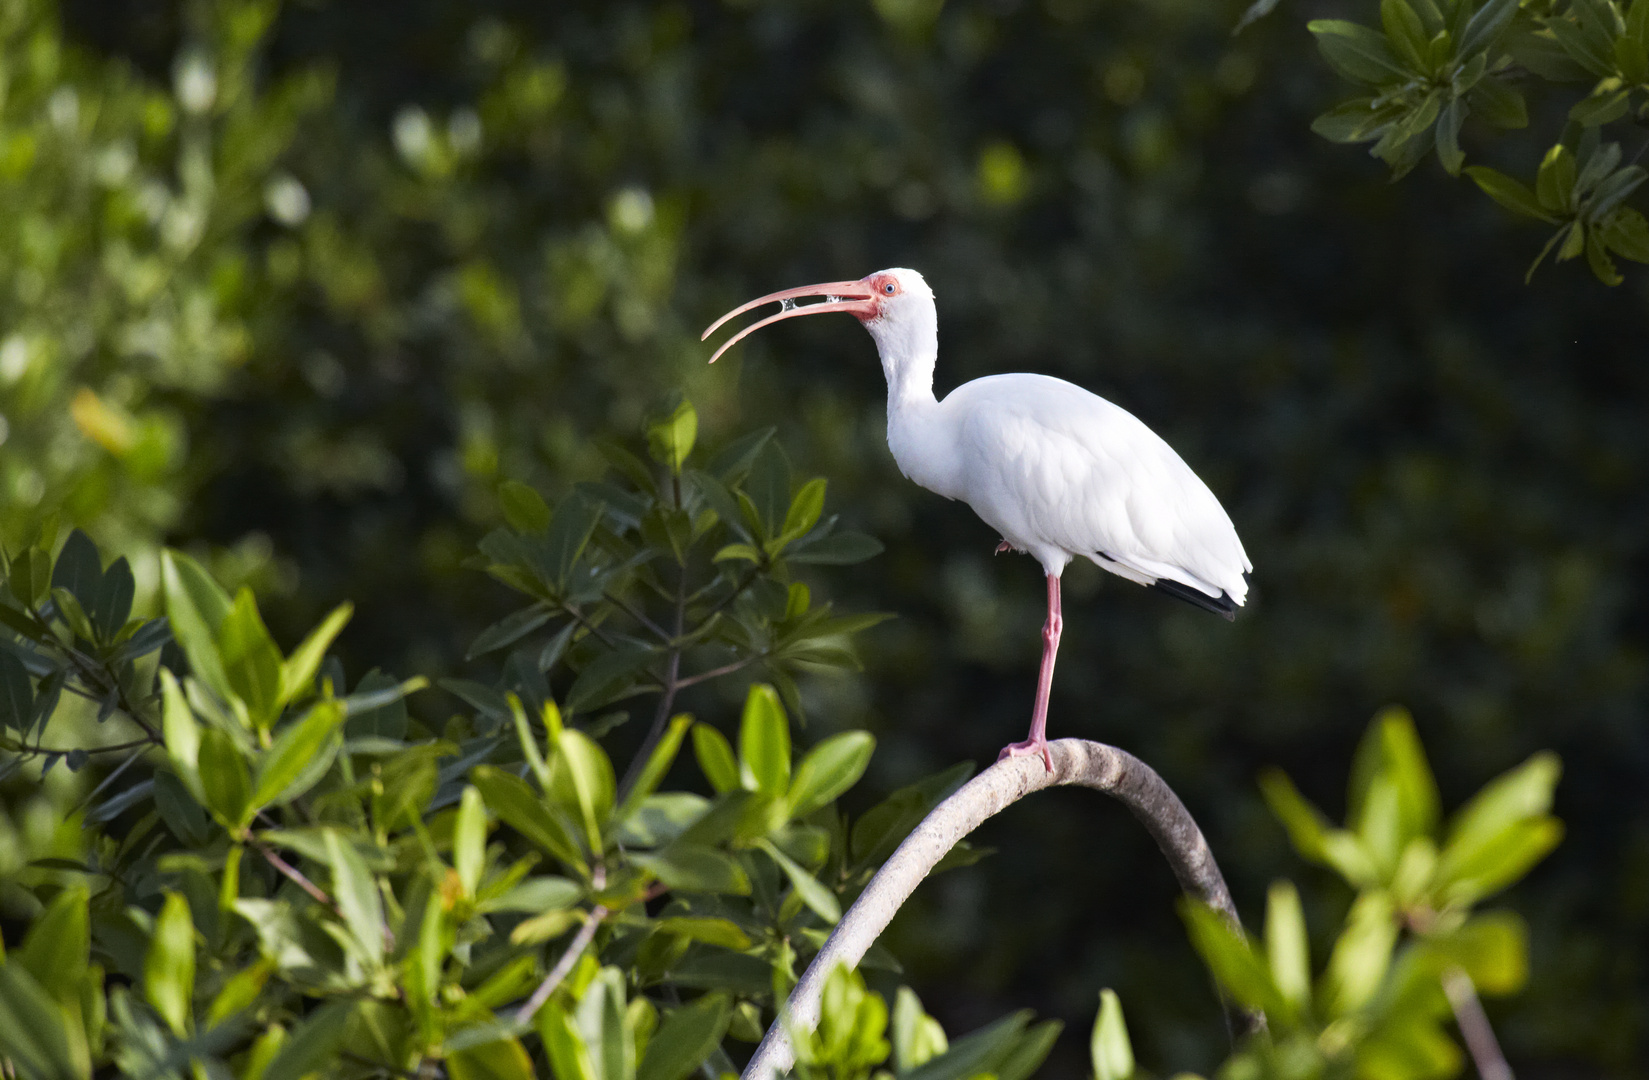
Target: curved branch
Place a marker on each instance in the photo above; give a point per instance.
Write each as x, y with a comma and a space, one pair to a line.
1075, 761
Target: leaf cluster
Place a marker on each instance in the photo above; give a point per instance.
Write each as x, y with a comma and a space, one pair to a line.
1431, 64
1376, 1007
286, 874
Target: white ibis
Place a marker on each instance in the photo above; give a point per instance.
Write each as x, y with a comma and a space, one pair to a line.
1057, 471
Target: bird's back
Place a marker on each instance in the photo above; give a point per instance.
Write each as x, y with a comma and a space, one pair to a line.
1062, 472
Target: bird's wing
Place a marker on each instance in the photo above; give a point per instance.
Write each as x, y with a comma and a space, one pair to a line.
1050, 463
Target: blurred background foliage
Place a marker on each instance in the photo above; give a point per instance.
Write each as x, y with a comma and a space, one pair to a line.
296, 287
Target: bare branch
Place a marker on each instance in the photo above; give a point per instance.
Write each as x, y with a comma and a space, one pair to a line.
1075, 761
1474, 1026
580, 942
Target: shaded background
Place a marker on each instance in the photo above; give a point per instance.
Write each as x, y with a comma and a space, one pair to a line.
304, 315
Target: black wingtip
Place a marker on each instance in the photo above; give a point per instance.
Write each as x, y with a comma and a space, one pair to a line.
1221, 605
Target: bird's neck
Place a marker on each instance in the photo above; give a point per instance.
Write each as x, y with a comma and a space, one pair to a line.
920, 443
908, 348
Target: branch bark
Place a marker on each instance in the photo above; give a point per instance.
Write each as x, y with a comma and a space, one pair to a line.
1075, 762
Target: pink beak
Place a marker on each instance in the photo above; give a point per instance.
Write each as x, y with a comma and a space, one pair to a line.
853, 297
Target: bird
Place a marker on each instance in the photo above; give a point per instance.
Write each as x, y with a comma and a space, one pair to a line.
1057, 471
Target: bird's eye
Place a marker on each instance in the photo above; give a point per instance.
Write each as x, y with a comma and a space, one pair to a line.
888, 288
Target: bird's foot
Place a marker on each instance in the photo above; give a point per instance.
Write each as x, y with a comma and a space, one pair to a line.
1028, 748
1003, 546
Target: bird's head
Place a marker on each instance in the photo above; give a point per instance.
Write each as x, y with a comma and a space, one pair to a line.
882, 301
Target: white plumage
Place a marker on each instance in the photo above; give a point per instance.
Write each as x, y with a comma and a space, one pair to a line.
1057, 471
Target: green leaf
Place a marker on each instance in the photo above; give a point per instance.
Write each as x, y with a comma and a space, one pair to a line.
1511, 194
239, 992
1491, 863
35, 1035
79, 569
1306, 825
1597, 257
805, 509
30, 577
516, 805
1391, 764
1110, 1049
510, 629
524, 507
764, 742
671, 439
820, 900
251, 661
1627, 233
1595, 54
569, 534
1230, 956
663, 755
982, 1051
16, 694
312, 1046
298, 670
1601, 108
356, 894
196, 608
1493, 949
1519, 794
1637, 23
1354, 121
1499, 104
768, 489
684, 1039
917, 1037
225, 782
169, 969
73, 614
695, 868
592, 778
300, 756
884, 826
469, 840
112, 605
537, 894
1555, 184
501, 1059
715, 757
828, 770
710, 930
1406, 36
835, 549
1447, 136
1287, 948
1486, 25
1362, 954
1356, 52
1030, 1050
57, 947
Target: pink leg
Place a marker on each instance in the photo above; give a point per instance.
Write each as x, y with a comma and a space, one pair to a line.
1037, 744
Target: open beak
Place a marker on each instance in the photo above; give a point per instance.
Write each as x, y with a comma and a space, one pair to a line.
853, 297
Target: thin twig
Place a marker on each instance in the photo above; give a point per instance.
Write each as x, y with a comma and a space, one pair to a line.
1075, 761
112, 748
563, 966
295, 875
716, 673
1474, 1026
641, 617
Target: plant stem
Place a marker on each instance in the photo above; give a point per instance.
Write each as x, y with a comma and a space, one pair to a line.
295, 875
1075, 761
563, 966
1474, 1026
667, 695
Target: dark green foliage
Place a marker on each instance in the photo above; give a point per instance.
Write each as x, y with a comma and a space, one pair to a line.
273, 891
1433, 63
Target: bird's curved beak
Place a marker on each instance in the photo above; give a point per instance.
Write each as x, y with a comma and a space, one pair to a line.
853, 297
